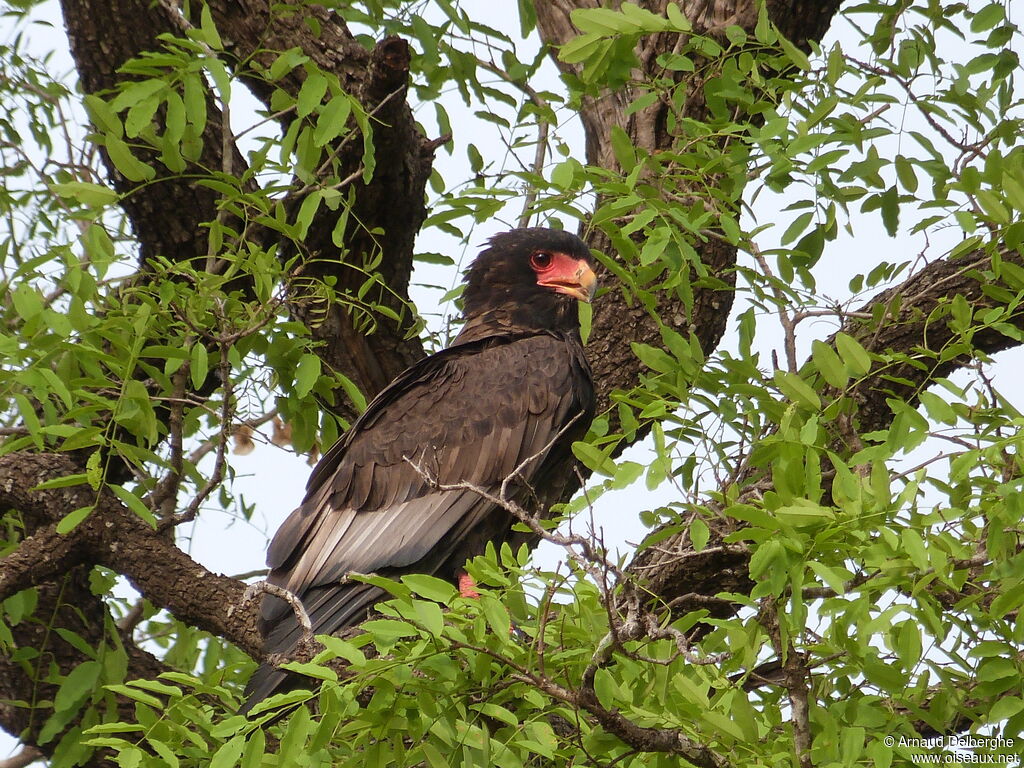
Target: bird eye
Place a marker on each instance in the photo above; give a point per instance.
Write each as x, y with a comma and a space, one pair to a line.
541, 260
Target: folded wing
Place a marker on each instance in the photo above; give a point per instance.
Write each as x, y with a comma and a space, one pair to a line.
382, 500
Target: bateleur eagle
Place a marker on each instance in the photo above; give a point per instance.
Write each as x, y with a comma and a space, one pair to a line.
512, 391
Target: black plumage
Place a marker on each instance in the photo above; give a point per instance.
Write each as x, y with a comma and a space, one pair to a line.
513, 385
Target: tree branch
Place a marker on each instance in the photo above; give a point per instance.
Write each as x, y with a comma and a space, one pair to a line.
25, 757
44, 555
115, 537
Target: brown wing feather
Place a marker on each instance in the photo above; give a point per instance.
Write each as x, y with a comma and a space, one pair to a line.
356, 514
472, 413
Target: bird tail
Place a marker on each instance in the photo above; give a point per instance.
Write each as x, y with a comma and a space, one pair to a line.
330, 608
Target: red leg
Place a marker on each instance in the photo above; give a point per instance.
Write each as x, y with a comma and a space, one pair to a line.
467, 587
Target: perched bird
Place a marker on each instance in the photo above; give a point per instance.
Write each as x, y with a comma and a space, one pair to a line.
512, 391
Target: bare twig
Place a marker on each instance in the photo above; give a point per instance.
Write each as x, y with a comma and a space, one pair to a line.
220, 462
785, 318
797, 683
130, 620
543, 129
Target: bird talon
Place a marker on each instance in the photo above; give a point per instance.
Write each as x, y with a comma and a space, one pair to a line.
251, 591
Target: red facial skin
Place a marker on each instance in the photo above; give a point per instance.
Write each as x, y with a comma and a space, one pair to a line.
564, 274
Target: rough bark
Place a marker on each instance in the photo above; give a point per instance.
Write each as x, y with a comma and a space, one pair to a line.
618, 319
103, 36
65, 601
388, 210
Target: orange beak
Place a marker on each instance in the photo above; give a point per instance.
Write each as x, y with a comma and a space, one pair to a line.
574, 278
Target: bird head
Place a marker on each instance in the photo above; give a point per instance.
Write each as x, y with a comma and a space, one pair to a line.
530, 278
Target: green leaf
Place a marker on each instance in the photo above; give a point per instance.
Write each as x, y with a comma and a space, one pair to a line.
135, 694
626, 473
286, 62
300, 728
136, 505
130, 166
65, 481
563, 174
255, 749
855, 357
221, 78
430, 587
387, 631
136, 91
140, 116
430, 616
797, 227
198, 364
79, 684
93, 195
369, 159
333, 119
194, 96
307, 373
987, 17
209, 29
765, 557
891, 211
311, 94
655, 359
496, 614
343, 649
938, 409
586, 315
58, 386
608, 690
913, 545
798, 57
835, 578
310, 205
93, 471
27, 301
157, 687
802, 515
230, 751
594, 458
165, 752
497, 712
352, 392
580, 48
907, 175
71, 520
699, 534
797, 390
828, 364
308, 669
102, 116
623, 148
